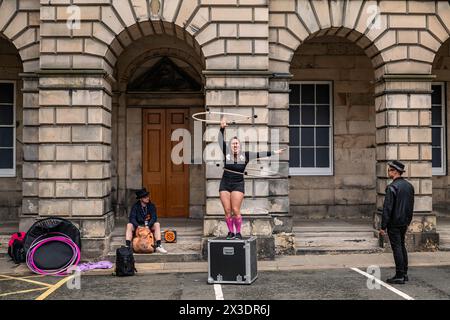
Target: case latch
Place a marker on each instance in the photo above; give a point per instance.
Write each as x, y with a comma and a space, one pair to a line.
228, 251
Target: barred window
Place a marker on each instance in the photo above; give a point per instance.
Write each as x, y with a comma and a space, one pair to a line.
7, 129
310, 128
438, 115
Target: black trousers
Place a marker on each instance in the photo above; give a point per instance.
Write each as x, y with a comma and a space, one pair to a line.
397, 240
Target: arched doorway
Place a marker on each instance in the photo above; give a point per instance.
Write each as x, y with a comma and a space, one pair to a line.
440, 119
333, 154
159, 86
11, 122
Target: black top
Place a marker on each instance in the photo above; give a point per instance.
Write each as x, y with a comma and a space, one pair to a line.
238, 163
398, 204
139, 215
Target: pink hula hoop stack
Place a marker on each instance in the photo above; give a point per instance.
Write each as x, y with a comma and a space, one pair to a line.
52, 246
43, 240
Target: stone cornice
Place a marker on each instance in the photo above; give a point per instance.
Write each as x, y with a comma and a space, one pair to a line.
236, 73
76, 73
407, 77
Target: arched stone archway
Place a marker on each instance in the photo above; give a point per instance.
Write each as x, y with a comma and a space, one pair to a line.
401, 56
11, 124
81, 78
245, 49
19, 38
137, 92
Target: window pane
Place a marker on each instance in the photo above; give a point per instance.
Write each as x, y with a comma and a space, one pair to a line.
6, 158
294, 137
436, 139
322, 157
322, 137
294, 157
437, 157
307, 93
294, 95
436, 96
6, 93
323, 115
307, 115
436, 115
307, 157
322, 93
6, 137
6, 115
307, 137
294, 115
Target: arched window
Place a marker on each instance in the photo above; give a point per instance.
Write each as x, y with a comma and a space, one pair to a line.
7, 129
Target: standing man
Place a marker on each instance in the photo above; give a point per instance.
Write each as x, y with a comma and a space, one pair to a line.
397, 215
143, 213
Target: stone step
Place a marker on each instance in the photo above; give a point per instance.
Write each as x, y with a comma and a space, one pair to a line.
338, 243
4, 239
361, 234
335, 250
118, 232
171, 247
297, 229
187, 256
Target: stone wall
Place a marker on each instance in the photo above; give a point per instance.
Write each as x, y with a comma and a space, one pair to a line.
11, 187
441, 184
351, 191
247, 49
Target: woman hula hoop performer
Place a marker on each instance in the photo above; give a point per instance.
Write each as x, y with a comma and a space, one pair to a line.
232, 186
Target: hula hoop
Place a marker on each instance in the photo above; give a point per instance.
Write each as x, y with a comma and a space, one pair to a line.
195, 117
272, 174
53, 237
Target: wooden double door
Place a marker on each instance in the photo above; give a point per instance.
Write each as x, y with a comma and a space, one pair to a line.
167, 182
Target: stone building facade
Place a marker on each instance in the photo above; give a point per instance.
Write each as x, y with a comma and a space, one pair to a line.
92, 89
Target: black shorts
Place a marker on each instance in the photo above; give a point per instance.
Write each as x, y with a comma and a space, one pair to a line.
231, 186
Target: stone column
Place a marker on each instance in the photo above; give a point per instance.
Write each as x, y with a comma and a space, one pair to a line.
30, 183
243, 92
403, 119
279, 187
74, 139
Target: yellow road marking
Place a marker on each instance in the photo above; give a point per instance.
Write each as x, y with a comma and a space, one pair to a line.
54, 287
27, 277
23, 291
27, 280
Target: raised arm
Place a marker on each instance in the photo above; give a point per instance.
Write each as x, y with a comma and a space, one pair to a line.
257, 155
222, 142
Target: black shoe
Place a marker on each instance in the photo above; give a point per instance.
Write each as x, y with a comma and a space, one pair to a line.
405, 278
230, 236
238, 236
396, 280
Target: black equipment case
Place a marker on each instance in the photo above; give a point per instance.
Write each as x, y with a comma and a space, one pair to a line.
232, 261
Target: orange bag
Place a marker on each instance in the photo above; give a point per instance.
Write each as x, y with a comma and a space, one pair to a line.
143, 242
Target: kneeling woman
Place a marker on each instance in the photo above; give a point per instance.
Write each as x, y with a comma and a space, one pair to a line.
232, 187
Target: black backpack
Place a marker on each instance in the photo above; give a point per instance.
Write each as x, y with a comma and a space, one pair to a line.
125, 262
16, 248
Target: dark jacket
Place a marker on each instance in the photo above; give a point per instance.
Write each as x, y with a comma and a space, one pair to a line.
139, 214
240, 163
398, 204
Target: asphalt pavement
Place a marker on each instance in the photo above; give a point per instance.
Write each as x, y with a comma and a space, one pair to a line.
426, 283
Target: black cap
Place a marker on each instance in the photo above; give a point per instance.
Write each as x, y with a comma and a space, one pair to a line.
397, 165
141, 193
